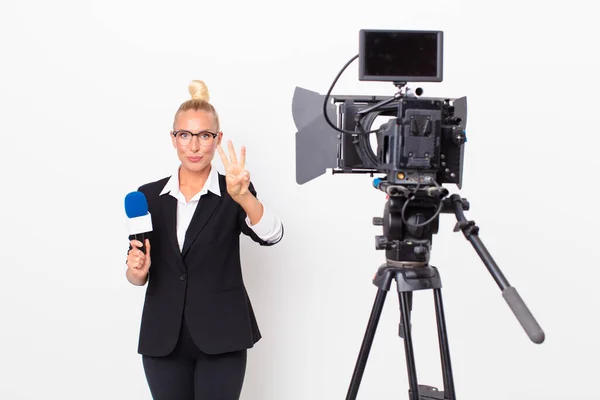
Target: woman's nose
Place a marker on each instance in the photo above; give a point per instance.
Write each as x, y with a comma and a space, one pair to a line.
195, 144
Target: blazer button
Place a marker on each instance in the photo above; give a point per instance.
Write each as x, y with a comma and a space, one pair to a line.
182, 277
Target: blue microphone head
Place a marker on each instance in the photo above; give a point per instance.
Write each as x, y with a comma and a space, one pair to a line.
136, 205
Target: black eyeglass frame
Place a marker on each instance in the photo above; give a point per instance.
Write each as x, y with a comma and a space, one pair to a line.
214, 135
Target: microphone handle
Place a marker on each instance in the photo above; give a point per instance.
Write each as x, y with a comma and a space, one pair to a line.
142, 238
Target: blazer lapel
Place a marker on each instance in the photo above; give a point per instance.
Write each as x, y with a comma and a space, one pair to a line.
169, 211
207, 205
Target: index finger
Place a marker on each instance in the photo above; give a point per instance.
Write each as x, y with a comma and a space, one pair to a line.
232, 152
223, 156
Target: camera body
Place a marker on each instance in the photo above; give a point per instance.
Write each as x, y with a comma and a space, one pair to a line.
420, 144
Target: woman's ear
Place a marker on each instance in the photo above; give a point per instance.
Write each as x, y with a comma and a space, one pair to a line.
219, 137
173, 139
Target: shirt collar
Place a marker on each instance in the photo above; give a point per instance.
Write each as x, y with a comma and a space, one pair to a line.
211, 185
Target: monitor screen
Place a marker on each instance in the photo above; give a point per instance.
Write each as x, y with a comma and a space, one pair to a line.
400, 56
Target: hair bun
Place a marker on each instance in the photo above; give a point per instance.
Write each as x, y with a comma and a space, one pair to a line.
198, 90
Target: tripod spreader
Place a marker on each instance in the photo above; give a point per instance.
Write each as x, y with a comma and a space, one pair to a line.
510, 294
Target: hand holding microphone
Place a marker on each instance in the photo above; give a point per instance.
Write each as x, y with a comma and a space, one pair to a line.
139, 226
138, 263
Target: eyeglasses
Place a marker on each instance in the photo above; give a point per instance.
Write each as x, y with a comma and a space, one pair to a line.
206, 138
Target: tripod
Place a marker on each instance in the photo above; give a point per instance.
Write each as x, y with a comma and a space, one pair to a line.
411, 218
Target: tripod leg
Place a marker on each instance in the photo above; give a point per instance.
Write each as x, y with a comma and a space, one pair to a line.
405, 299
366, 344
444, 348
401, 328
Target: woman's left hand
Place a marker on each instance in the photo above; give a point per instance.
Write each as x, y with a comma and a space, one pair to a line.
237, 178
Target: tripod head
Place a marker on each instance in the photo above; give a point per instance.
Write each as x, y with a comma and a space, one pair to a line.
410, 219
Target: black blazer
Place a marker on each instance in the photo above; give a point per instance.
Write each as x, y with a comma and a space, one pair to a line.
203, 282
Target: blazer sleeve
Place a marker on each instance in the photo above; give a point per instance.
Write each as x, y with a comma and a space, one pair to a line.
247, 230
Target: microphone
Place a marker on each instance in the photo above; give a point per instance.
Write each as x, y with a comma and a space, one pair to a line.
139, 220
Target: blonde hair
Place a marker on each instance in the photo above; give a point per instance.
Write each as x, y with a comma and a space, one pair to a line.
198, 102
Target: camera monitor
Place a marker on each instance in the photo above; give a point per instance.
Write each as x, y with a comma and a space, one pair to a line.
400, 56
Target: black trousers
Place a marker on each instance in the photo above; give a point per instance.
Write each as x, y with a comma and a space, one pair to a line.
189, 374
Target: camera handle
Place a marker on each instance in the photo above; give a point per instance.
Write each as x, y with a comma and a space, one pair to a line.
510, 294
397, 96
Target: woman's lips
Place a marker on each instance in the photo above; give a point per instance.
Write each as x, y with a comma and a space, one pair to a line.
194, 159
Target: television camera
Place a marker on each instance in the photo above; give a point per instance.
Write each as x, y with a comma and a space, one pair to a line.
418, 150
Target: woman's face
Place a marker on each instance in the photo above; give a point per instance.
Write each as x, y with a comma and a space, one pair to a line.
195, 151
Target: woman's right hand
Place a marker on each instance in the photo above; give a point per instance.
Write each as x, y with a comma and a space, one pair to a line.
138, 263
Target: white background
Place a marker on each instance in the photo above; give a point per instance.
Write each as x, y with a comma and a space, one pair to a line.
88, 90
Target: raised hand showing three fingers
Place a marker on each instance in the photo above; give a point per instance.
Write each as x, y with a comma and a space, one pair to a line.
237, 178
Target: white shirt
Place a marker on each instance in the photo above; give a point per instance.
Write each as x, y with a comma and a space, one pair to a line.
269, 228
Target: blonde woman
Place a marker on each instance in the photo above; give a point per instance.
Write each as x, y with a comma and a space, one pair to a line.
197, 321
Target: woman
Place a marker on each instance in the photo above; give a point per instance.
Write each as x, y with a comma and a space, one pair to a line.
197, 322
